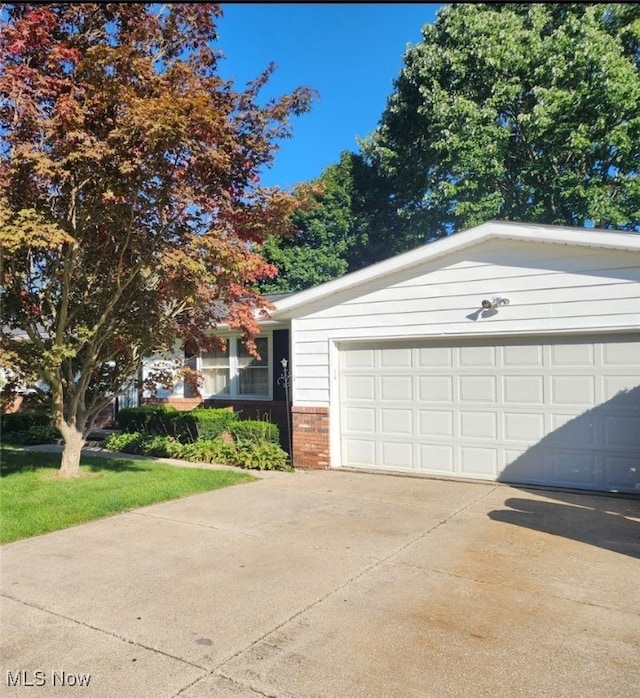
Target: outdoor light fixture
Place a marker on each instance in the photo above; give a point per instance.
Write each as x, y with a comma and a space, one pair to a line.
494, 302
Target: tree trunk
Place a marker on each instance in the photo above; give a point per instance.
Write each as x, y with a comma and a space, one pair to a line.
74, 440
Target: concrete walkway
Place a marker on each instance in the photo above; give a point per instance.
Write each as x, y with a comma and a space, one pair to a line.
332, 584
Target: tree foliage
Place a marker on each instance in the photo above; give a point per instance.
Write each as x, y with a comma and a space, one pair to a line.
130, 203
348, 225
324, 231
519, 111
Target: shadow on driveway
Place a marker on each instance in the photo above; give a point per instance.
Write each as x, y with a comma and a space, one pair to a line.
605, 522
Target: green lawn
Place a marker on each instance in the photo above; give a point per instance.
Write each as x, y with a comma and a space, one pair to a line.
33, 500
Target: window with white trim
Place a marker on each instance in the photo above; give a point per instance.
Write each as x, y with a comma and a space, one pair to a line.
216, 372
234, 373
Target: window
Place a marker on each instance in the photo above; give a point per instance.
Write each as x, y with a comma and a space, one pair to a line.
216, 372
253, 374
234, 373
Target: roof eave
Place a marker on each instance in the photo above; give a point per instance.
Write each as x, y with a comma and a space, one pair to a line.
528, 232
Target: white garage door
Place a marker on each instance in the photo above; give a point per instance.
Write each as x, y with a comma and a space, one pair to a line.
561, 412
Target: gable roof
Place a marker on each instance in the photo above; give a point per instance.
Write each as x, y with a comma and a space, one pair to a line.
525, 232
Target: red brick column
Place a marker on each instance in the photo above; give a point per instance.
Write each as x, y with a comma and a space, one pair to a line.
310, 427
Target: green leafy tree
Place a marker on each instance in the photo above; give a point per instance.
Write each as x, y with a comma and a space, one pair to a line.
130, 203
349, 223
324, 231
520, 111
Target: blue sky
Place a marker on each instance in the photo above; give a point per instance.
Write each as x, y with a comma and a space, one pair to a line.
349, 53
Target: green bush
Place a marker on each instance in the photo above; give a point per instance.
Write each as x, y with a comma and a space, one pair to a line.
204, 424
23, 421
144, 445
157, 446
128, 442
263, 455
36, 434
210, 451
154, 420
255, 431
248, 452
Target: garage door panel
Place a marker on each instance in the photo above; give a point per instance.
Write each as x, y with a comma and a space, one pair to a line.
576, 469
429, 357
523, 390
546, 412
478, 425
622, 473
360, 358
397, 454
396, 421
621, 354
361, 419
359, 388
623, 389
396, 358
478, 389
524, 356
360, 452
437, 458
477, 356
526, 466
622, 432
520, 426
571, 432
476, 461
572, 355
398, 388
435, 388
573, 390
435, 423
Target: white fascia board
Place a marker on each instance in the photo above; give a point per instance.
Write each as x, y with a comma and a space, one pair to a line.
526, 232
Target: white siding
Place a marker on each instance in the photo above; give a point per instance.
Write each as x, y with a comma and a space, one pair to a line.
552, 289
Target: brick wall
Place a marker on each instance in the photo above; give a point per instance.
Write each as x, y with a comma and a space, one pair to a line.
310, 426
180, 403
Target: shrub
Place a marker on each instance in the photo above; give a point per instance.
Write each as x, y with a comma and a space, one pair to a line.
160, 420
210, 451
37, 434
130, 442
144, 445
23, 421
259, 455
255, 431
157, 446
263, 455
208, 423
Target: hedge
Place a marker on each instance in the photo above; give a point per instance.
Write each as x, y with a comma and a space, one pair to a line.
165, 420
201, 424
255, 431
37, 434
209, 423
23, 421
157, 420
259, 455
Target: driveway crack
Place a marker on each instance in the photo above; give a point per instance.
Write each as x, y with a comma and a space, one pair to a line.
102, 631
366, 570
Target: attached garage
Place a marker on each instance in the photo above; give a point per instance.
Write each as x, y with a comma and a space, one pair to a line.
548, 411
506, 352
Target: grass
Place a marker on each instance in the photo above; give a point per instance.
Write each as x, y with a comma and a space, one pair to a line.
33, 500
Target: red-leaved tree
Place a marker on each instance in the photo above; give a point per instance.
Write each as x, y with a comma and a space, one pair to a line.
130, 200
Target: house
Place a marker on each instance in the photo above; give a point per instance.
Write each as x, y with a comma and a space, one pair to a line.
504, 352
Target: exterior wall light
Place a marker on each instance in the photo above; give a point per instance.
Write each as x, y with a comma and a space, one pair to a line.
494, 302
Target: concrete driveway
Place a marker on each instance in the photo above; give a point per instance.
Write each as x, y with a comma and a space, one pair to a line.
332, 584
